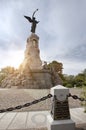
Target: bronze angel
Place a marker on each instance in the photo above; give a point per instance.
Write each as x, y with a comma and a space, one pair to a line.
33, 21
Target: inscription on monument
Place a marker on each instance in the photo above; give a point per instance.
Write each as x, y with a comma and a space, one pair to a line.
61, 110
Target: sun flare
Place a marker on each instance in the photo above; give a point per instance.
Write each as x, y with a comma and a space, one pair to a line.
12, 58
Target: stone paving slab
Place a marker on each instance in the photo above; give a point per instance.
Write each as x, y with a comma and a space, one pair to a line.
6, 120
37, 119
19, 122
78, 115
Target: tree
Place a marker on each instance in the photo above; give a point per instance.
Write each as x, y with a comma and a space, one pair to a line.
79, 79
57, 66
84, 72
69, 80
5, 72
83, 95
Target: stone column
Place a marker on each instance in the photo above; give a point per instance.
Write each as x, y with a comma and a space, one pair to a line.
59, 119
32, 54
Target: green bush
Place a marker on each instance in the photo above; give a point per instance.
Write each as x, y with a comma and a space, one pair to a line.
69, 85
2, 77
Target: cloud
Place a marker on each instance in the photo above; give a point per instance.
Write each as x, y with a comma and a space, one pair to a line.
77, 54
75, 67
62, 30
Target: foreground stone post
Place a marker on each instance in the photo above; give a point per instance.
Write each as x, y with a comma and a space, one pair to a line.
59, 119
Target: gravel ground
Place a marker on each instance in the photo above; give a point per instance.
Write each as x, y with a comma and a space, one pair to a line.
14, 97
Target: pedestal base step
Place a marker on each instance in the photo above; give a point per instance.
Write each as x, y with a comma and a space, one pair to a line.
60, 124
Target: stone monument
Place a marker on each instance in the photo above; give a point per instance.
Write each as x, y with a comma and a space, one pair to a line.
32, 59
31, 73
60, 115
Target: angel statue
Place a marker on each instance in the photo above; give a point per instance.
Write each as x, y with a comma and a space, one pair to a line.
33, 21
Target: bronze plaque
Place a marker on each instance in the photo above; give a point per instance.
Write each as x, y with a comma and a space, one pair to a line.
61, 110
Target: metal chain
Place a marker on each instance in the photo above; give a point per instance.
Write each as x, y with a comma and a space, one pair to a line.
37, 101
76, 97
26, 105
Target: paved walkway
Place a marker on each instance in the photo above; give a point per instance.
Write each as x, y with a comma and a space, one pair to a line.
36, 120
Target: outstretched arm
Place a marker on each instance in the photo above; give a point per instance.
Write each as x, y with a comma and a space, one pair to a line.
34, 13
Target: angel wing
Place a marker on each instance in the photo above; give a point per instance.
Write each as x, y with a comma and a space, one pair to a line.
28, 18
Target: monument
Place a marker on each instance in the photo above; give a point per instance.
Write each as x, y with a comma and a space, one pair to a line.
32, 54
31, 73
33, 21
59, 119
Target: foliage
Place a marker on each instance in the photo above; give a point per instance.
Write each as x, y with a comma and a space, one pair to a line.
83, 95
69, 81
7, 70
78, 80
57, 66
2, 76
4, 72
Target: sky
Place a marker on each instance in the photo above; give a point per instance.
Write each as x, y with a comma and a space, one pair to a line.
62, 32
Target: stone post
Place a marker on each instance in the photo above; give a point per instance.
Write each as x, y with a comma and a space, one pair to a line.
59, 119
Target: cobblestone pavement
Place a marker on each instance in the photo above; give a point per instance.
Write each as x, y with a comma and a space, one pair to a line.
14, 97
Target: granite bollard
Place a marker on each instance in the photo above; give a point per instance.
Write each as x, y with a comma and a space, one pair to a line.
59, 119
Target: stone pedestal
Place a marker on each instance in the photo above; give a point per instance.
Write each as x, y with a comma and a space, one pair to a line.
31, 74
39, 79
60, 115
32, 54
60, 124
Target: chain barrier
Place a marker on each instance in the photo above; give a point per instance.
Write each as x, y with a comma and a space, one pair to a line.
37, 101
26, 105
76, 97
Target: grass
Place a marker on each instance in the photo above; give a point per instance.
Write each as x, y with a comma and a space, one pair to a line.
83, 95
